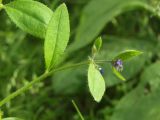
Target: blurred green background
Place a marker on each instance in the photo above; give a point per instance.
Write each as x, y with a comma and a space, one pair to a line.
123, 24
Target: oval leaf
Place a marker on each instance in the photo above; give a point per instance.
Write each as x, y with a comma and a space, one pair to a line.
57, 36
30, 16
127, 54
96, 82
118, 74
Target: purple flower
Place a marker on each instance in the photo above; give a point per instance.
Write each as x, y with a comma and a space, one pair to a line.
118, 64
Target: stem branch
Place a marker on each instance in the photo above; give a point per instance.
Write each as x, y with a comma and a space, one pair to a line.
42, 77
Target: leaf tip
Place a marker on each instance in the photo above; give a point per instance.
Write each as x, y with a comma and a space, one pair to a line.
140, 52
97, 100
63, 5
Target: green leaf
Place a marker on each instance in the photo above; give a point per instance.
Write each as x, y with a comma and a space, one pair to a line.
95, 17
151, 76
118, 74
31, 16
127, 54
11, 118
96, 82
57, 36
98, 43
96, 46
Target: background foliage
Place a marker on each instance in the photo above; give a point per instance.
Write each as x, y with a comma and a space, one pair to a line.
123, 25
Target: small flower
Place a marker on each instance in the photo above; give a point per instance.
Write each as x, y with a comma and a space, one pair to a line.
118, 64
101, 70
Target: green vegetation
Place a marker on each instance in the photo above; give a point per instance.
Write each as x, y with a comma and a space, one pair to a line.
79, 60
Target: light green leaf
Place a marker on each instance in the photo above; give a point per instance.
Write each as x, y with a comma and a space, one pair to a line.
31, 16
96, 46
11, 118
98, 43
118, 74
96, 16
96, 82
127, 54
57, 36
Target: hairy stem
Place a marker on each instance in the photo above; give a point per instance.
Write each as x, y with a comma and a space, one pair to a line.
42, 77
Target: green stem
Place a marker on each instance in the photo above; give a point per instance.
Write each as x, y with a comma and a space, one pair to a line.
103, 61
24, 88
42, 77
78, 111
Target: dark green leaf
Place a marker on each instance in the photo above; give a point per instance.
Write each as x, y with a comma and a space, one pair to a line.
57, 36
30, 16
96, 16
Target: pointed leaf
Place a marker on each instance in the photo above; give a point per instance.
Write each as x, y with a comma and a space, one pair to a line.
30, 16
118, 74
96, 82
57, 36
98, 43
96, 46
128, 54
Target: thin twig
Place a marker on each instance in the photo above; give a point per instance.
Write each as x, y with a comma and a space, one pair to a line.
78, 111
